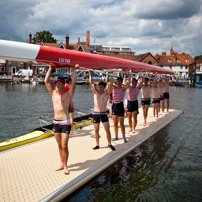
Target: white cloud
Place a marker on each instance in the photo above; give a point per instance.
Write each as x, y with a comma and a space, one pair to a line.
145, 26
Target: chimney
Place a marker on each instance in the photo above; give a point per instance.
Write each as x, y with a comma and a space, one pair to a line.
164, 53
78, 39
171, 51
67, 41
88, 38
30, 37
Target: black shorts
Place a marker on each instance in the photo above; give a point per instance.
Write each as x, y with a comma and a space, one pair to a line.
118, 109
161, 97
57, 128
132, 106
155, 100
145, 101
166, 95
98, 117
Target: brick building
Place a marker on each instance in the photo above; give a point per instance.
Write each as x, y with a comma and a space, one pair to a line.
179, 63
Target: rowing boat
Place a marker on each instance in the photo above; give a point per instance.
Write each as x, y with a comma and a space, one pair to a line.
42, 133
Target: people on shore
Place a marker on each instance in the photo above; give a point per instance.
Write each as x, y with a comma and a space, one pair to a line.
118, 106
132, 104
155, 97
101, 97
167, 84
145, 100
71, 106
61, 123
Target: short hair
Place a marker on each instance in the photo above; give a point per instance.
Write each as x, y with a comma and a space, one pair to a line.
101, 83
135, 79
119, 78
68, 79
147, 79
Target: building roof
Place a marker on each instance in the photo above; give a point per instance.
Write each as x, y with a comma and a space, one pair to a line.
75, 47
174, 59
137, 58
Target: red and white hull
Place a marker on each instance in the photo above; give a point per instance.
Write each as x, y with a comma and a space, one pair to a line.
57, 57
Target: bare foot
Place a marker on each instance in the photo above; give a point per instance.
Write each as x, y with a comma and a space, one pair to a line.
133, 131
61, 167
129, 130
72, 134
66, 171
144, 123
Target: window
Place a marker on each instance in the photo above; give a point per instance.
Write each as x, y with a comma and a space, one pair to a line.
169, 60
181, 67
186, 67
154, 63
170, 67
178, 60
194, 67
187, 60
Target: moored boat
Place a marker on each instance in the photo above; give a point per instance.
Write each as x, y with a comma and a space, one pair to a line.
198, 84
42, 133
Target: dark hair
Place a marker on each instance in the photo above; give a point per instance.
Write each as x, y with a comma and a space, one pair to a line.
147, 79
135, 79
101, 83
119, 78
68, 79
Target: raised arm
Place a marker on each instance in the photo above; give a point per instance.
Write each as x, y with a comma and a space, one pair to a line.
109, 88
72, 87
47, 80
91, 82
128, 83
171, 81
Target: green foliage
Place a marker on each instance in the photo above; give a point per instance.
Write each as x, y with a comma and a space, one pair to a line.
198, 58
44, 36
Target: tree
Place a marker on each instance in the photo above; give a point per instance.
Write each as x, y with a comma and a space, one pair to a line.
44, 36
198, 58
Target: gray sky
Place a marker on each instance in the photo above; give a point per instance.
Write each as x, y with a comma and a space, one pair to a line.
144, 25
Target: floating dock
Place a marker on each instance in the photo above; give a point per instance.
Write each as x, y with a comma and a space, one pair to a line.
28, 173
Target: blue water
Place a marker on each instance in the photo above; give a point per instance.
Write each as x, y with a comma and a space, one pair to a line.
167, 167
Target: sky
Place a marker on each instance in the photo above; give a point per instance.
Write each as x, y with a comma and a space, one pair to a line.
145, 26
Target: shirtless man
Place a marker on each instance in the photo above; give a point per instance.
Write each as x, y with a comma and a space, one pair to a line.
61, 122
145, 100
118, 107
166, 91
100, 102
132, 106
156, 97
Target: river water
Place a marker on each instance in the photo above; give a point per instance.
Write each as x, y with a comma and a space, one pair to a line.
167, 167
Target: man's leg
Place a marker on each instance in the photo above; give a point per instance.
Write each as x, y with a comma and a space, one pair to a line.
97, 127
71, 115
121, 120
167, 103
154, 108
144, 114
115, 120
134, 115
65, 151
157, 108
59, 142
130, 121
162, 106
